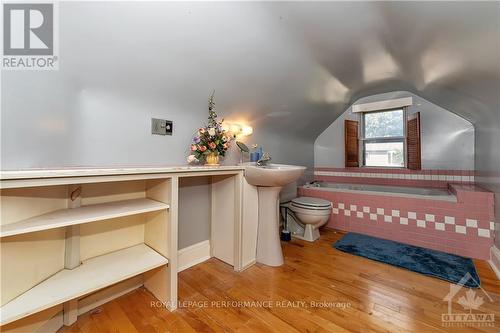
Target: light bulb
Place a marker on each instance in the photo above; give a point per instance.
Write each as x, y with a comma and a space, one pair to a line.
246, 130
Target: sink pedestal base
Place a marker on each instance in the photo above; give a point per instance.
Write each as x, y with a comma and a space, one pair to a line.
268, 237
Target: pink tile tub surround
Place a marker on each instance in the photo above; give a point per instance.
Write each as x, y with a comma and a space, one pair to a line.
464, 227
394, 177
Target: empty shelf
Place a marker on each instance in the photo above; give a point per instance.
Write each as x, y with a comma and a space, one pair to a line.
84, 214
92, 275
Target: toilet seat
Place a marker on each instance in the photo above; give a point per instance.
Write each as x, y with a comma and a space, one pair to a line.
309, 203
311, 212
307, 216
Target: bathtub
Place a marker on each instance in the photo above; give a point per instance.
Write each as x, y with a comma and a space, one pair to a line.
458, 221
398, 191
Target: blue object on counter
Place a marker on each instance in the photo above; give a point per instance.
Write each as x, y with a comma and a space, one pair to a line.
254, 157
259, 153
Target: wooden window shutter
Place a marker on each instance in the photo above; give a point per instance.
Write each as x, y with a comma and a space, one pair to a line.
413, 146
351, 129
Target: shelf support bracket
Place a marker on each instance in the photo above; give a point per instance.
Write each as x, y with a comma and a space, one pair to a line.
72, 243
70, 312
72, 252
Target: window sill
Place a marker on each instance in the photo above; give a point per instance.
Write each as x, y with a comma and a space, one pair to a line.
383, 167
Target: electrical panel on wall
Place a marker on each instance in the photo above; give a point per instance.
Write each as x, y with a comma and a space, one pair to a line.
161, 126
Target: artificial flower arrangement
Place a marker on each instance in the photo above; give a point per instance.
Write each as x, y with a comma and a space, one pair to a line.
210, 141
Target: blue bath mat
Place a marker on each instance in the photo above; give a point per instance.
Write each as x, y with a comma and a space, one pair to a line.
438, 264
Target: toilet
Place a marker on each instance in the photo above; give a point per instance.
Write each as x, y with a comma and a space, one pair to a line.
306, 215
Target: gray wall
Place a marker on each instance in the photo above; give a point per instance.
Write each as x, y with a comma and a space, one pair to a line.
447, 139
287, 69
194, 210
122, 63
488, 160
488, 168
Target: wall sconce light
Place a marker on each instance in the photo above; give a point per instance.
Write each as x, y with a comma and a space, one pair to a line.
237, 130
246, 130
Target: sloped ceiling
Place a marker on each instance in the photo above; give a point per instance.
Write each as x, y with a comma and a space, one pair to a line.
288, 68
447, 52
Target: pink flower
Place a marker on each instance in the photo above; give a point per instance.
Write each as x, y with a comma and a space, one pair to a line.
201, 130
192, 159
193, 147
212, 145
225, 146
202, 148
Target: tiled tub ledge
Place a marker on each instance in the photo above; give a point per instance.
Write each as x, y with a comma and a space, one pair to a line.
394, 176
471, 194
384, 190
464, 227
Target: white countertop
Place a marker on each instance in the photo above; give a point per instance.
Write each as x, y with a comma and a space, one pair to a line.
96, 171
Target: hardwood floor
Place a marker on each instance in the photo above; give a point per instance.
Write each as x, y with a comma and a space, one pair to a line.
360, 295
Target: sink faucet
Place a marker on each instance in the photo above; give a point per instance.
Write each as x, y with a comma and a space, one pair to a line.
264, 160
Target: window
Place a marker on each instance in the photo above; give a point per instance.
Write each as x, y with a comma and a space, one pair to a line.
383, 137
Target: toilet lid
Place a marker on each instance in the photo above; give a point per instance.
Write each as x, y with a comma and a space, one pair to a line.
311, 203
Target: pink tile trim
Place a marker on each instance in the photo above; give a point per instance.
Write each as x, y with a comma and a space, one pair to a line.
442, 225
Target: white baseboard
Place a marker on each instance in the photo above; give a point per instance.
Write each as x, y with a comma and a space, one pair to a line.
495, 260
248, 264
192, 255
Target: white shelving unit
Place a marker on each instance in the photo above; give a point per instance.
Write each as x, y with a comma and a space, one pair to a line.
81, 215
72, 240
91, 275
64, 243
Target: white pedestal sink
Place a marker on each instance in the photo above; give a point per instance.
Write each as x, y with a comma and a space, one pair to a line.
269, 180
